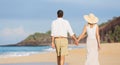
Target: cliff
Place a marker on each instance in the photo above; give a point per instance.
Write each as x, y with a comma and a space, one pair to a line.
110, 31
36, 40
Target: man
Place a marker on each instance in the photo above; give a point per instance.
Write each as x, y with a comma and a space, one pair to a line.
60, 28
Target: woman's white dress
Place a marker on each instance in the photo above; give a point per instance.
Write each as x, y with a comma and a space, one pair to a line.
92, 46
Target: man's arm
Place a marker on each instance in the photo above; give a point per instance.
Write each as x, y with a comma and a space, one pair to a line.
70, 31
52, 35
53, 41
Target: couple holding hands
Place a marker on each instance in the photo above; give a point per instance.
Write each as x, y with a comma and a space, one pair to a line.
59, 29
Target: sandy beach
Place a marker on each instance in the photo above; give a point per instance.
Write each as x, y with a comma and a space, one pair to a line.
108, 55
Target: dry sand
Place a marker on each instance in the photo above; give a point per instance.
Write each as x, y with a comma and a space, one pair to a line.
108, 55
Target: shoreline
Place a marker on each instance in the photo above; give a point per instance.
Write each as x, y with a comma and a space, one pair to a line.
9, 52
108, 55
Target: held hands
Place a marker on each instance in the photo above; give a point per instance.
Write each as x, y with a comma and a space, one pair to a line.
76, 42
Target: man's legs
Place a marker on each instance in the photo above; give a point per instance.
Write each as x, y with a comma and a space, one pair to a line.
61, 49
58, 60
64, 50
62, 60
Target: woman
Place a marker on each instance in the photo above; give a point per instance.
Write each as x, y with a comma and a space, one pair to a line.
93, 39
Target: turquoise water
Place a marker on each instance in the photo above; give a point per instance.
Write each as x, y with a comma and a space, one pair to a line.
10, 51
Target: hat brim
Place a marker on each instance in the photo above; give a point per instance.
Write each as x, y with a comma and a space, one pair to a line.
87, 18
91, 18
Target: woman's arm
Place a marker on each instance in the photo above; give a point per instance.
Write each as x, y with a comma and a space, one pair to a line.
98, 36
83, 33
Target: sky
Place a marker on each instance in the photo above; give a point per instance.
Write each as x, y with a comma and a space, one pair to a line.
21, 18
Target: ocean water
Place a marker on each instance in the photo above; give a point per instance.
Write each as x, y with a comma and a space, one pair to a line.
15, 51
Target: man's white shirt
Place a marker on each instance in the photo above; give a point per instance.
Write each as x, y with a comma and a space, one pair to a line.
60, 28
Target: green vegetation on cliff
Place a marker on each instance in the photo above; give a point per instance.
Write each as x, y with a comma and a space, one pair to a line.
110, 31
37, 39
113, 35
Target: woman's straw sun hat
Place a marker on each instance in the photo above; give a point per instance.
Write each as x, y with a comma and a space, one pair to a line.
91, 18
